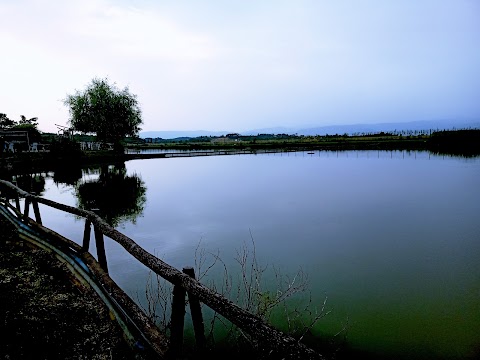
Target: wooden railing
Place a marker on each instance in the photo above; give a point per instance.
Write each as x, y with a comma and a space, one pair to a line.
271, 339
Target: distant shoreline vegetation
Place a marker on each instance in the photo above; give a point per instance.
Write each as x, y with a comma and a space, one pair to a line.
67, 151
455, 142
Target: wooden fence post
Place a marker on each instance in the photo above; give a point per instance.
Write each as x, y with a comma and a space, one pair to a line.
196, 311
177, 321
17, 202
99, 242
26, 209
86, 235
36, 210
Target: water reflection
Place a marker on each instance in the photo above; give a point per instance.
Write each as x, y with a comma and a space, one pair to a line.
32, 183
369, 226
114, 195
109, 190
454, 153
379, 154
69, 175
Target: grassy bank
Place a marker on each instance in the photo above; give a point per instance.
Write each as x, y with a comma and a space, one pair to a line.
459, 143
334, 142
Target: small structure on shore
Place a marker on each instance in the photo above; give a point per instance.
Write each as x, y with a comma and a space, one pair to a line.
14, 141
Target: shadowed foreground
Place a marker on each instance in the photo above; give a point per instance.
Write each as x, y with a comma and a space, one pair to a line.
43, 315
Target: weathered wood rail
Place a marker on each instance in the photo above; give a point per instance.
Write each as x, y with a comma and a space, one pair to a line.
271, 340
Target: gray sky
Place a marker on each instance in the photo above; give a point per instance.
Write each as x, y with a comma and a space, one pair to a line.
239, 65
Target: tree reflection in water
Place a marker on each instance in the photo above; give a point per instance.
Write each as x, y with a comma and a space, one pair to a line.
108, 190
32, 183
70, 175
114, 196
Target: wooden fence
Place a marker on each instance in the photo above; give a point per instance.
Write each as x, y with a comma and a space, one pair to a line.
184, 282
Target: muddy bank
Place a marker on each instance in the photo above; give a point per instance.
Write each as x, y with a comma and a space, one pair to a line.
43, 315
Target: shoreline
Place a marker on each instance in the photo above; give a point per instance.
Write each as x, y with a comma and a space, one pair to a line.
456, 143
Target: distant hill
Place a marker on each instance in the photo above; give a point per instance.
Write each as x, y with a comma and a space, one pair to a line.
323, 130
369, 128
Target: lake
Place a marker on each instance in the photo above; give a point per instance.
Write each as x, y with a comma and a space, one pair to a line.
390, 239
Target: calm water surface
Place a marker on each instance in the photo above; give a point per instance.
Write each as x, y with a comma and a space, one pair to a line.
391, 238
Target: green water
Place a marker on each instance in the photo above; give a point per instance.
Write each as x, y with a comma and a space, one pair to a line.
391, 238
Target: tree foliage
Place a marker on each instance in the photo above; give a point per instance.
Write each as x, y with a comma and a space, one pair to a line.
25, 121
5, 122
104, 110
24, 124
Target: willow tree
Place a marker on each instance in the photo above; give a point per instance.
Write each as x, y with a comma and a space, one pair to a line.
104, 110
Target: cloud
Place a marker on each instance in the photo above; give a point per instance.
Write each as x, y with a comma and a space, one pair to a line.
251, 64
141, 34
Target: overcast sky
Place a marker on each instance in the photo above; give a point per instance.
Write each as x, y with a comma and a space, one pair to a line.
239, 65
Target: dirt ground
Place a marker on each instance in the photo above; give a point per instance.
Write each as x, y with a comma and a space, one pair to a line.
44, 316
